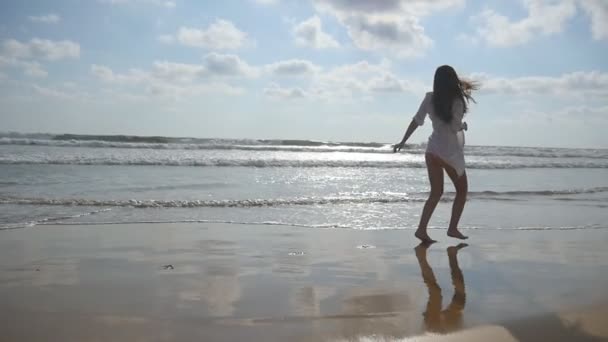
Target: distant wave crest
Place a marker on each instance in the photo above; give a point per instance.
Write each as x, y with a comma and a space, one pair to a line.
297, 163
287, 145
215, 145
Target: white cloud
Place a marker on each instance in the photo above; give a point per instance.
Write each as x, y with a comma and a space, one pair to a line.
107, 75
293, 67
597, 10
167, 79
50, 18
228, 65
25, 55
50, 92
214, 65
585, 113
166, 38
388, 83
570, 116
415, 7
177, 80
580, 84
41, 49
34, 69
358, 6
399, 34
391, 26
15, 49
545, 17
468, 39
346, 82
266, 2
310, 33
29, 92
179, 92
161, 71
31, 69
275, 91
363, 79
103, 73
176, 72
220, 35
164, 3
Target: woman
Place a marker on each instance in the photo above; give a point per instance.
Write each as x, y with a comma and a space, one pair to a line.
435, 319
445, 106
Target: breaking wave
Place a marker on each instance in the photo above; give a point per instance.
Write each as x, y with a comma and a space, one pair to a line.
320, 226
301, 201
287, 145
297, 163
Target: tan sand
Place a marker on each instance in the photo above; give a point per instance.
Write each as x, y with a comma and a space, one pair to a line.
202, 282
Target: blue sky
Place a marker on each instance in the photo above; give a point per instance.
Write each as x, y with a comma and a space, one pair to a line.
340, 70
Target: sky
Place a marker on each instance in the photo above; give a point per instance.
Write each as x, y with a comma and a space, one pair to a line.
330, 70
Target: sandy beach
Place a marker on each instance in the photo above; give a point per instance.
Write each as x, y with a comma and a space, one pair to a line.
257, 170
219, 282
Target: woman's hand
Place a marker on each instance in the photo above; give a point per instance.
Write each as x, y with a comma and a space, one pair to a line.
398, 147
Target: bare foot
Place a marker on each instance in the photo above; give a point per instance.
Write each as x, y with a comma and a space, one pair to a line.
454, 249
456, 234
421, 249
424, 237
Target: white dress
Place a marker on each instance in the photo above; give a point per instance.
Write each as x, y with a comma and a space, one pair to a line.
447, 139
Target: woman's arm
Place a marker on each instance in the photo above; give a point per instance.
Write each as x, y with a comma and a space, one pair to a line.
457, 124
410, 129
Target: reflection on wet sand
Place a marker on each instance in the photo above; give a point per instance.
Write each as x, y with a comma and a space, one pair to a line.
379, 311
233, 283
450, 319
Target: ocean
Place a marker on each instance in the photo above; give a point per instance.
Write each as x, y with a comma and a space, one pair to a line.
84, 179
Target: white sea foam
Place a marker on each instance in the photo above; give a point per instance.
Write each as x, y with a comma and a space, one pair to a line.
171, 160
299, 201
166, 143
193, 146
323, 226
49, 220
244, 176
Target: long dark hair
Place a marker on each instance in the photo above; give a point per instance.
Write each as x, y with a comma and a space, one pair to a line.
446, 88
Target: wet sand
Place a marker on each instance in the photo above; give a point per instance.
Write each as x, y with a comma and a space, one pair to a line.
214, 282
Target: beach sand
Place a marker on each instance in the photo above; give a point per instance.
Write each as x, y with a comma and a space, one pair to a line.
218, 282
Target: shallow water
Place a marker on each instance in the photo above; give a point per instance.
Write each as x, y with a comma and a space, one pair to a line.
301, 183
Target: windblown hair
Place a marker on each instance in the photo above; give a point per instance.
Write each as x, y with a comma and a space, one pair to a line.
447, 87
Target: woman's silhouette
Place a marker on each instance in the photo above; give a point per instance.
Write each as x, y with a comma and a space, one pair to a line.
446, 106
450, 319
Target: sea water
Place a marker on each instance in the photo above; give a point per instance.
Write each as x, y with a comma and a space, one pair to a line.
73, 179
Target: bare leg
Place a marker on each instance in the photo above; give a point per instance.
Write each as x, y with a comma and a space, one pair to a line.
462, 187
459, 298
435, 171
453, 313
432, 315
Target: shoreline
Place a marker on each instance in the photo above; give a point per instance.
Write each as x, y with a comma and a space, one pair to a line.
547, 229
